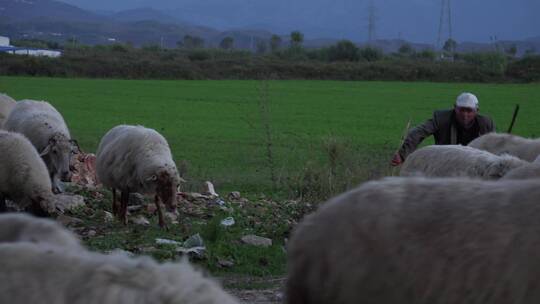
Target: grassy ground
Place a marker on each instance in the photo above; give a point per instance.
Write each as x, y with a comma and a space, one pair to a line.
217, 131
316, 138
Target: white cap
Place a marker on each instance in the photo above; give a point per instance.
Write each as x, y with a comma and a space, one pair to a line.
467, 100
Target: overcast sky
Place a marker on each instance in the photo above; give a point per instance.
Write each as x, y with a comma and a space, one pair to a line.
414, 20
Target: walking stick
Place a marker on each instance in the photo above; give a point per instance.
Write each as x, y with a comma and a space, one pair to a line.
516, 110
403, 136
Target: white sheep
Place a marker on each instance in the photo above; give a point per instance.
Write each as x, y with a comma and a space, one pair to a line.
6, 105
456, 160
422, 241
41, 123
23, 175
498, 143
51, 273
137, 159
19, 227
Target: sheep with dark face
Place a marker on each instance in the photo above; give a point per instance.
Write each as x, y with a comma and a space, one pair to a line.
137, 159
46, 129
456, 160
501, 143
420, 241
23, 176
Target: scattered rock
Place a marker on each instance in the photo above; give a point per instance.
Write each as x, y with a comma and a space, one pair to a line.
225, 263
235, 195
84, 173
140, 220
65, 201
254, 240
136, 199
151, 208
228, 222
108, 217
171, 217
134, 208
68, 220
168, 242
209, 189
91, 233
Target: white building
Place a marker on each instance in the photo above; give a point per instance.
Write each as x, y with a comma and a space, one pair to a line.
7, 48
4, 41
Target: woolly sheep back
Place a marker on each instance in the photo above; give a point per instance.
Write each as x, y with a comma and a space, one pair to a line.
422, 241
500, 143
6, 105
456, 160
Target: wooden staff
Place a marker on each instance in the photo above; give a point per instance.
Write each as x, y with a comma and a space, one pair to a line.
516, 110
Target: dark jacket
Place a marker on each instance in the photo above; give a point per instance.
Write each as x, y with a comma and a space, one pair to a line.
444, 127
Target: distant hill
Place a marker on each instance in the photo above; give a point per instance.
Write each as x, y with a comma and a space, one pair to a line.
58, 21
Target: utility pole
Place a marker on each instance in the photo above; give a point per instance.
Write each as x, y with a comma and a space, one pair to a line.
446, 17
372, 19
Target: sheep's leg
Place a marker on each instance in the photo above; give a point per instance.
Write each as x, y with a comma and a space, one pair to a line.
114, 205
162, 223
124, 198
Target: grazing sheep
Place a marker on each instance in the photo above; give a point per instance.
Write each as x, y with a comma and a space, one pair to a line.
47, 131
18, 227
44, 273
525, 172
456, 160
421, 241
497, 143
23, 176
6, 105
137, 159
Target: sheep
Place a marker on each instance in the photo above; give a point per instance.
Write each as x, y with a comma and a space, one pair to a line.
41, 123
16, 227
137, 159
456, 160
420, 240
6, 105
525, 172
23, 175
46, 273
497, 143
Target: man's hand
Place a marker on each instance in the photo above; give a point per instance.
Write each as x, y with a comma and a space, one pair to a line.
396, 160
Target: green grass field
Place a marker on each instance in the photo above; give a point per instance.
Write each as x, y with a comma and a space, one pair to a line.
215, 127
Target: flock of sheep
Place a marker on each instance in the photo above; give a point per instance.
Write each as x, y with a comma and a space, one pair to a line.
460, 225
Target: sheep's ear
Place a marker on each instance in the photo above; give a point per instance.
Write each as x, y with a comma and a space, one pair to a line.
46, 150
152, 178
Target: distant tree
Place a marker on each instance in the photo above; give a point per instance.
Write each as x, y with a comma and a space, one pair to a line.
406, 49
193, 42
512, 50
427, 54
227, 43
344, 50
180, 44
450, 45
260, 47
275, 43
72, 42
371, 53
296, 39
530, 51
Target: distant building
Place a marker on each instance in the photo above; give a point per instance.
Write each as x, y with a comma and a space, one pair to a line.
4, 41
7, 48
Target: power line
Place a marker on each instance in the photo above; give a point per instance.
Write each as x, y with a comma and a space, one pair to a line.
445, 17
372, 19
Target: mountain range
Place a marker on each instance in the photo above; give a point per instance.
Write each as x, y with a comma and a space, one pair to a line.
58, 21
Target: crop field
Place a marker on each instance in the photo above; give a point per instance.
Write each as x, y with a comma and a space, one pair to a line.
262, 136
